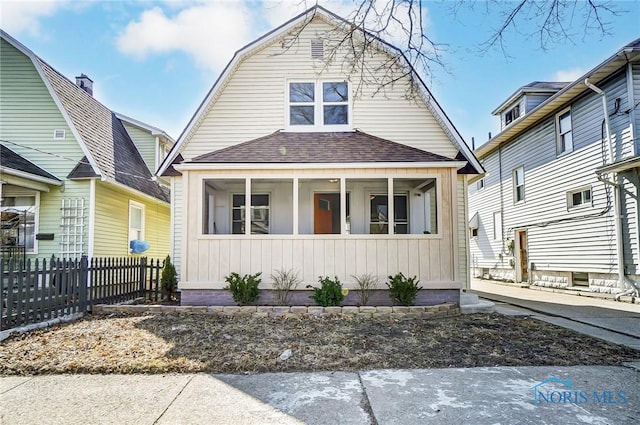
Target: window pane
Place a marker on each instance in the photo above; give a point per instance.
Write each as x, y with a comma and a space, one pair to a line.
301, 92
378, 208
336, 114
567, 141
335, 92
238, 200
400, 208
401, 229
301, 115
136, 218
565, 122
259, 200
587, 195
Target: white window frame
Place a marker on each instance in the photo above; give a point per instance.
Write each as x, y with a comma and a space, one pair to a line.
560, 134
480, 184
244, 207
512, 112
516, 184
137, 205
36, 213
497, 226
59, 134
318, 104
586, 203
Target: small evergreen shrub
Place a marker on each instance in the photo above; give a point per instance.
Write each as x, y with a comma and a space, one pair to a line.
243, 289
284, 281
168, 279
402, 290
366, 283
329, 293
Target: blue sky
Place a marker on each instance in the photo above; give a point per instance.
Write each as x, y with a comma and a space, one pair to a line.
155, 60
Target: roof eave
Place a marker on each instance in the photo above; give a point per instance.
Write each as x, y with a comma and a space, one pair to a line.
560, 99
208, 166
30, 176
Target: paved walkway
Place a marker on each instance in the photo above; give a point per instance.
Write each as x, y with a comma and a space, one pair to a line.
479, 396
504, 395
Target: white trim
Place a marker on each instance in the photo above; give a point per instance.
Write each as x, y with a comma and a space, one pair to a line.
514, 186
455, 241
191, 166
143, 212
23, 182
582, 205
92, 217
155, 131
29, 176
318, 105
21, 192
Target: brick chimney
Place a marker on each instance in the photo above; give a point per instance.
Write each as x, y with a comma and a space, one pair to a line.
85, 83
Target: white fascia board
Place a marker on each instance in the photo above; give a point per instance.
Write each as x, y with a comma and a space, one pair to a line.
30, 176
155, 131
32, 56
320, 166
222, 81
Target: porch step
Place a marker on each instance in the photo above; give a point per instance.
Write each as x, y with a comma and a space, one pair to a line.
470, 304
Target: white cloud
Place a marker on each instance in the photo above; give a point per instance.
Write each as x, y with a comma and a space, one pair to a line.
209, 32
568, 74
23, 16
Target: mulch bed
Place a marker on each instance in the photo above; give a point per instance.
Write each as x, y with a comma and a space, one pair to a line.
160, 343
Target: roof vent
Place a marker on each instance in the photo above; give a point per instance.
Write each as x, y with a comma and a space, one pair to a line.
59, 134
85, 83
317, 49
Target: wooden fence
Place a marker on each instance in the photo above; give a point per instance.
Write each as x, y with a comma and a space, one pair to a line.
37, 291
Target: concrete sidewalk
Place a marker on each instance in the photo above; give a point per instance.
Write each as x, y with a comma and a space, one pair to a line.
505, 395
613, 321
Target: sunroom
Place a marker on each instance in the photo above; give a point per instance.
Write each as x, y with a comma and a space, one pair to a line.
320, 204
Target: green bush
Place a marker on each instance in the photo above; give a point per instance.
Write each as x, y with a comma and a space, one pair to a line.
284, 281
168, 279
329, 293
244, 289
402, 290
366, 283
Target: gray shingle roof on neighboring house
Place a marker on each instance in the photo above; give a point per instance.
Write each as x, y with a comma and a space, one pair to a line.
105, 137
331, 147
12, 160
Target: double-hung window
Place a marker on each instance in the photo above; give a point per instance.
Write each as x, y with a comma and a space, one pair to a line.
318, 105
19, 220
564, 134
136, 221
259, 214
379, 215
518, 184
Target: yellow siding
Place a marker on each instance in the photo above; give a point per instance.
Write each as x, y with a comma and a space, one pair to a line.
252, 103
112, 223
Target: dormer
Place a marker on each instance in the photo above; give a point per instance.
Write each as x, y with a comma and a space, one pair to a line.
525, 99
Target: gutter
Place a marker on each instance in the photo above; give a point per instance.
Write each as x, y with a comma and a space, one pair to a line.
622, 279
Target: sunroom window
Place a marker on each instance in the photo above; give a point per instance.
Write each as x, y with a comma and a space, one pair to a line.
379, 213
259, 214
318, 105
18, 222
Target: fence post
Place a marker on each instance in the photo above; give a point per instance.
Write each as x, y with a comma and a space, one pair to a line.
143, 277
83, 283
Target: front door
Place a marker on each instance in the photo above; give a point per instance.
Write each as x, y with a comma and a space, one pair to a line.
522, 273
324, 208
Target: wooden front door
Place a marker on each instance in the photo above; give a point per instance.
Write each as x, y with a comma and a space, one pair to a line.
523, 256
323, 213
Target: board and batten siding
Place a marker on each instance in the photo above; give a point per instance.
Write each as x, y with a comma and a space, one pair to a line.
252, 103
207, 259
28, 118
111, 232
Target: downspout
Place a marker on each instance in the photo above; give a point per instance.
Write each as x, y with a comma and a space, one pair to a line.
611, 181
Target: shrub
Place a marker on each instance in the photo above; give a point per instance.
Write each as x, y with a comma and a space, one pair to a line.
366, 283
402, 290
244, 289
168, 279
329, 293
283, 282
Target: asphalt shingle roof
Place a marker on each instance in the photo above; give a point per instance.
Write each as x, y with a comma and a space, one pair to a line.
333, 147
12, 160
105, 137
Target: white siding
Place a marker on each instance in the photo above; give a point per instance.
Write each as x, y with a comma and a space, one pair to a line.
463, 230
252, 103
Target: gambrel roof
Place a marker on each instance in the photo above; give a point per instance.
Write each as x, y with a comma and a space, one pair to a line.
329, 17
110, 154
315, 147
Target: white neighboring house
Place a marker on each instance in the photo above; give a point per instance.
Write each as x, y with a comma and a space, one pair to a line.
558, 206
344, 178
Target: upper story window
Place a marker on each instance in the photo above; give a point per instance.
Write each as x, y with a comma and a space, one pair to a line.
518, 184
511, 115
564, 134
318, 106
480, 184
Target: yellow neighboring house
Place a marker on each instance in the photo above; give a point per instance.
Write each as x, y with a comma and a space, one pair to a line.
75, 176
